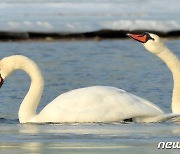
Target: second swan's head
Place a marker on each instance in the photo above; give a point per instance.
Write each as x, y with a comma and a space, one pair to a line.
151, 42
7, 67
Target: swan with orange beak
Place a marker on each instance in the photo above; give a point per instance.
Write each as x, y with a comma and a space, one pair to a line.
155, 45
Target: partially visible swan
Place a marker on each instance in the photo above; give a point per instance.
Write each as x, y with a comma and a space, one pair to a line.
154, 45
92, 104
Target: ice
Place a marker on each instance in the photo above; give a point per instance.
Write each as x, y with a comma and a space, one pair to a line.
87, 16
162, 26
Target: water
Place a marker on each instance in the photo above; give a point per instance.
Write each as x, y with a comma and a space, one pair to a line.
68, 65
71, 16
87, 138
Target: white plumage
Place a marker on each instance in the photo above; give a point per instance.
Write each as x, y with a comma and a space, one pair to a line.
97, 104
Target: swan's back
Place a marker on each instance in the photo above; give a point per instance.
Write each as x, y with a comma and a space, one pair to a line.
96, 104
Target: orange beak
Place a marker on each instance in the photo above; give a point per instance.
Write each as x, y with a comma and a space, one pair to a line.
139, 37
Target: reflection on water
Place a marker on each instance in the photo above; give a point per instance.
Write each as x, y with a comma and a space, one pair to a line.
97, 137
120, 63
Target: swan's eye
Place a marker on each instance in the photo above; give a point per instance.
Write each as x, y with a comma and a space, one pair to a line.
148, 37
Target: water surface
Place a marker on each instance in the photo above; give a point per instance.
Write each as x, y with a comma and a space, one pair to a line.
68, 65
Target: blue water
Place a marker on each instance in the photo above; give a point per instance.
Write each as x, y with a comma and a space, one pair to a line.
67, 65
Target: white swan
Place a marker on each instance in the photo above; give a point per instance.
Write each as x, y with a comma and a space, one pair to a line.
92, 104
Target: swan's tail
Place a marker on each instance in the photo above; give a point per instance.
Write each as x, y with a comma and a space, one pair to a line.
160, 118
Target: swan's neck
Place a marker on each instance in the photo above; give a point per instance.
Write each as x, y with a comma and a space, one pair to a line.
29, 105
174, 65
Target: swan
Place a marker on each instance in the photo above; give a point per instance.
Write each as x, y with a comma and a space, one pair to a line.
96, 103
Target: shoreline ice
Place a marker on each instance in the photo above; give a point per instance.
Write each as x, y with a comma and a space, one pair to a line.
80, 17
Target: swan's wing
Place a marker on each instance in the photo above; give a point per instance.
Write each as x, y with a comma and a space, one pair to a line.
97, 104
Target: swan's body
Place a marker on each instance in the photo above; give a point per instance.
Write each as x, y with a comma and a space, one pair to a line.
91, 104
96, 104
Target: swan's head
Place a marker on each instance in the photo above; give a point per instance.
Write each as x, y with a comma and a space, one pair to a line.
150, 41
7, 67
